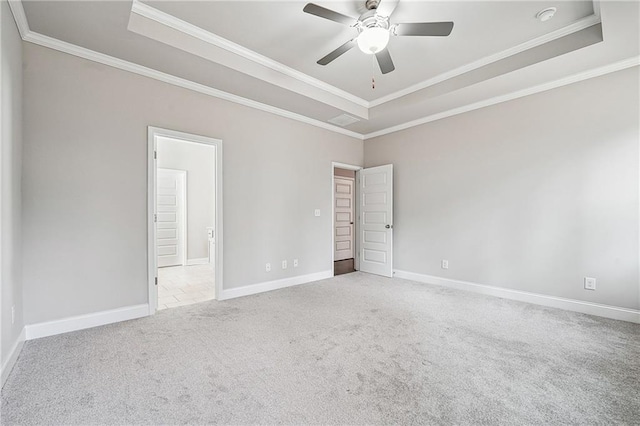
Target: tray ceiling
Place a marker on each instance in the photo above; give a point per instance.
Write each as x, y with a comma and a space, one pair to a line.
264, 53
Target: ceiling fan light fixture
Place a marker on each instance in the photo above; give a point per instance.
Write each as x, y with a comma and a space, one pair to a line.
373, 39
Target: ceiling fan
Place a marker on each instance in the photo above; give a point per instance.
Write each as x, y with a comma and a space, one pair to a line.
374, 30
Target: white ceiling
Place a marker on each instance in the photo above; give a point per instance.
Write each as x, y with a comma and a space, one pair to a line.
266, 51
281, 31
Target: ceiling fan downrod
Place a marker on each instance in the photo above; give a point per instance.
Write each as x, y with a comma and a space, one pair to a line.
371, 4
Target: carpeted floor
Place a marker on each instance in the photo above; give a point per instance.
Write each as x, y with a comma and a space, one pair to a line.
355, 349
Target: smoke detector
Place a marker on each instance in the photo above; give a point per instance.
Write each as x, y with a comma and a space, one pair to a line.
546, 14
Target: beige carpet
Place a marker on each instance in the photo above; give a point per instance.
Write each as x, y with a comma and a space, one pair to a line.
355, 349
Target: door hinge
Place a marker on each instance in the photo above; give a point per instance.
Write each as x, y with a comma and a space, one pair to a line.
155, 218
155, 155
156, 280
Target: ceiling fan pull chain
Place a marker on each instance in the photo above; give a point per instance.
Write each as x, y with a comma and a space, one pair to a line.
373, 72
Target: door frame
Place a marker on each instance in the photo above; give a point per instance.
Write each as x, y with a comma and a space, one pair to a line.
152, 268
356, 247
184, 212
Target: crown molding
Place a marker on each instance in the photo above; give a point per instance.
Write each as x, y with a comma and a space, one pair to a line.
52, 43
177, 24
209, 37
554, 35
585, 75
20, 17
121, 64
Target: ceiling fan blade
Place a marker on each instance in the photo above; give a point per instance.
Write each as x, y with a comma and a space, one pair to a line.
385, 62
423, 29
339, 51
325, 13
386, 7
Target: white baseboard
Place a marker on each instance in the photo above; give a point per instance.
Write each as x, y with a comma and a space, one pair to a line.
80, 322
201, 261
14, 353
607, 311
247, 290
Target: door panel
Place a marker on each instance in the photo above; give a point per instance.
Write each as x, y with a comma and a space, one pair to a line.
376, 228
170, 205
343, 219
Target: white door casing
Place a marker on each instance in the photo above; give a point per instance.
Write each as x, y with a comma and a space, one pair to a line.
170, 211
376, 224
343, 218
153, 133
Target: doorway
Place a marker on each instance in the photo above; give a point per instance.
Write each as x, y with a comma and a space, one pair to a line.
185, 219
343, 221
362, 219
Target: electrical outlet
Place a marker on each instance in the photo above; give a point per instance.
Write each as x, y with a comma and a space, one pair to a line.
445, 264
13, 314
295, 263
284, 264
267, 267
589, 283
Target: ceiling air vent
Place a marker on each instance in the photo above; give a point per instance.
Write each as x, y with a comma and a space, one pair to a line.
343, 120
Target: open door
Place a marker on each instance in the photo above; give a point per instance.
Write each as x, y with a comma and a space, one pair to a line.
376, 220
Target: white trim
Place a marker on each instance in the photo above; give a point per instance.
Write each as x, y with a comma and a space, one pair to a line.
606, 311
345, 166
585, 75
49, 42
81, 322
596, 8
186, 84
354, 201
247, 290
152, 249
101, 58
211, 38
214, 39
546, 38
20, 17
14, 353
152, 134
334, 165
200, 261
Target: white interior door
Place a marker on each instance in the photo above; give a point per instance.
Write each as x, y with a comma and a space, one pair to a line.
343, 220
376, 225
170, 210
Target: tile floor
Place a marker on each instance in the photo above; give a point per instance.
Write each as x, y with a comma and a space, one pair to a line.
185, 285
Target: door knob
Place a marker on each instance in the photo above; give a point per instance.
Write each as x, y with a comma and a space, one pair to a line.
387, 226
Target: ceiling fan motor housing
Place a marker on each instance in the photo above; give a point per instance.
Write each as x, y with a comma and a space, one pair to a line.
370, 19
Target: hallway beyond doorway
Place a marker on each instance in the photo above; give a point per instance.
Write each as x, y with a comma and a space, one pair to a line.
185, 285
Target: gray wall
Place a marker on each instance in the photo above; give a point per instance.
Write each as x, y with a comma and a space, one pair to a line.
11, 155
85, 184
533, 194
198, 161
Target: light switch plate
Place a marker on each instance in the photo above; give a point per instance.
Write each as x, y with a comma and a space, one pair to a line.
317, 212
